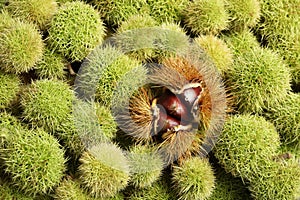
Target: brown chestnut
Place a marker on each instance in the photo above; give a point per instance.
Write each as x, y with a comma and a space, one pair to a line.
163, 121
173, 105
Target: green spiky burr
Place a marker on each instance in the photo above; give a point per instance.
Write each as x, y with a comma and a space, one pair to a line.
70, 189
47, 104
280, 28
241, 42
194, 179
139, 45
173, 40
89, 124
228, 187
7, 124
122, 68
33, 11
258, 80
146, 166
9, 88
277, 180
21, 46
69, 137
243, 14
136, 22
75, 30
206, 16
51, 66
109, 76
104, 170
246, 142
158, 190
286, 118
6, 20
167, 11
7, 192
34, 160
218, 51
117, 11
106, 121
2, 4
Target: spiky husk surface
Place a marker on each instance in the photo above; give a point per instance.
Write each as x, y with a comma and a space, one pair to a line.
258, 80
194, 179
241, 42
75, 30
286, 118
246, 142
47, 104
206, 16
146, 166
2, 4
116, 11
7, 192
106, 121
33, 11
277, 181
7, 124
109, 76
123, 70
280, 28
173, 40
51, 66
137, 47
104, 170
6, 20
21, 46
228, 187
158, 190
220, 54
137, 21
167, 11
70, 189
9, 88
243, 14
34, 160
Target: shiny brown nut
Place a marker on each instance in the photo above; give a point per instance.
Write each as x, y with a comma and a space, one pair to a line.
173, 106
164, 121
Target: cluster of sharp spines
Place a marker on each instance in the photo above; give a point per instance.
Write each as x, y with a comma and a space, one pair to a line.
48, 58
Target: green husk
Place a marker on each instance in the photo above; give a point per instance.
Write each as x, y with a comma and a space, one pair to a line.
33, 11
243, 14
258, 80
220, 54
206, 16
75, 30
34, 160
9, 88
146, 166
104, 170
21, 46
194, 179
246, 142
51, 66
47, 104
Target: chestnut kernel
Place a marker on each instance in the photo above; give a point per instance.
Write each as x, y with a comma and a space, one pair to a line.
173, 105
166, 122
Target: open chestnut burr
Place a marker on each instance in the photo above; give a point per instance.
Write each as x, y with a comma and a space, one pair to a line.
181, 111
